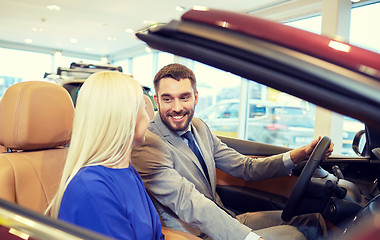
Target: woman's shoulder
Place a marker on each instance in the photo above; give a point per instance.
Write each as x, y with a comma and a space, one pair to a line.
91, 173
93, 181
90, 177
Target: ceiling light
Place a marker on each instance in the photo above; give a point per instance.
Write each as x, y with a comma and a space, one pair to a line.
148, 49
53, 7
73, 40
104, 60
129, 30
355, 1
149, 22
37, 29
180, 9
111, 39
58, 54
28, 40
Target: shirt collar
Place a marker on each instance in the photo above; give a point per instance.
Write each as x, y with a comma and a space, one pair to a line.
182, 132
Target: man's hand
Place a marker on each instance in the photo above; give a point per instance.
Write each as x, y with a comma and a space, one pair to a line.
300, 154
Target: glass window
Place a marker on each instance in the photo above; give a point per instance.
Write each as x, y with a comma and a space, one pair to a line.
273, 117
18, 66
65, 61
363, 31
143, 69
124, 64
278, 118
362, 34
164, 59
312, 24
214, 86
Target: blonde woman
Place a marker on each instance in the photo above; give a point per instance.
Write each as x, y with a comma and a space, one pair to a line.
99, 189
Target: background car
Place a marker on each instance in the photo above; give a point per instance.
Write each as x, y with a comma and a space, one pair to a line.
72, 78
268, 122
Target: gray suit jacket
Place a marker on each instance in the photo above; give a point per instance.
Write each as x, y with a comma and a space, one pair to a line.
175, 180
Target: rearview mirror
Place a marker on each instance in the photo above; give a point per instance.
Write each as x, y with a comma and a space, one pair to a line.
359, 142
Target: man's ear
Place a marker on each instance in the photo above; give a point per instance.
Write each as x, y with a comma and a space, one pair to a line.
196, 97
156, 100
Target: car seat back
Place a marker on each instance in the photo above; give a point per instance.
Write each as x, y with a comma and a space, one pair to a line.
35, 125
2, 149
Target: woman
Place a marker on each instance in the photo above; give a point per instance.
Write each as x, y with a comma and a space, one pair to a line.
99, 189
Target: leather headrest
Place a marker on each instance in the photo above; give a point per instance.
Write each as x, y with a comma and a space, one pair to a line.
35, 115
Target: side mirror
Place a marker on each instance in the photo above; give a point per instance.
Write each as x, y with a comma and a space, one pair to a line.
359, 142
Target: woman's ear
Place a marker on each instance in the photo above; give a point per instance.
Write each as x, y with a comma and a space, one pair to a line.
156, 101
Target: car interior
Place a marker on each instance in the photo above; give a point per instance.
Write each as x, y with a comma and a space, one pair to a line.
36, 122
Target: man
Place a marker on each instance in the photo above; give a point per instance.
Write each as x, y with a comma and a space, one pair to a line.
182, 185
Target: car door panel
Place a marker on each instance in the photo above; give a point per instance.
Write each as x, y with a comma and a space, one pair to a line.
244, 196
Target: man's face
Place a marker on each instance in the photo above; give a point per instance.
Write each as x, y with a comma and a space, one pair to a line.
176, 101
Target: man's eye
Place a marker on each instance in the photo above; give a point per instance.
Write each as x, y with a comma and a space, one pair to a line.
186, 97
166, 99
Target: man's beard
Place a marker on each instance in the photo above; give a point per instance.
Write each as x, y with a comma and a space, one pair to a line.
175, 127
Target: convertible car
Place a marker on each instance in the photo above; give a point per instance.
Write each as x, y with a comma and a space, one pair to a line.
329, 73
332, 74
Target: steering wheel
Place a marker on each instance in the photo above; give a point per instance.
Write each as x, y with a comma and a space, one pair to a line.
304, 179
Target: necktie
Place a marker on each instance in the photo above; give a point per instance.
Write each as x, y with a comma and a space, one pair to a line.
189, 136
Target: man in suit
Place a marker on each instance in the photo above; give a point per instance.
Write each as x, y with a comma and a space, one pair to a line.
182, 185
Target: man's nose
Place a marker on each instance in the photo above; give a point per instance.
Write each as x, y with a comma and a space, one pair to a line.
177, 105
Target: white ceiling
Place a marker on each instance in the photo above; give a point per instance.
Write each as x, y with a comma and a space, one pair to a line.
93, 22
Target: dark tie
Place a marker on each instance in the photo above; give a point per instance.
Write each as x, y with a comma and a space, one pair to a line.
189, 136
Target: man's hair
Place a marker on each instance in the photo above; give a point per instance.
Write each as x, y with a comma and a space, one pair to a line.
177, 72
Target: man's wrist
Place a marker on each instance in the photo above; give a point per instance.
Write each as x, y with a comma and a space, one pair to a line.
298, 155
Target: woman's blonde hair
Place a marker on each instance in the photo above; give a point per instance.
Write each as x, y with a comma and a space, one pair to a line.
103, 128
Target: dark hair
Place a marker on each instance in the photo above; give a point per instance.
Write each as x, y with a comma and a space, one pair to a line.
177, 72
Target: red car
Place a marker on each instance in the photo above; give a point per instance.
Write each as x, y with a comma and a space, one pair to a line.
335, 75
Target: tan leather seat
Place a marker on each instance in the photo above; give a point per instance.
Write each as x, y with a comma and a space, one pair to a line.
2, 149
35, 123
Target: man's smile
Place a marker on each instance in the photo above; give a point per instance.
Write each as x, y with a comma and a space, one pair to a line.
178, 118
